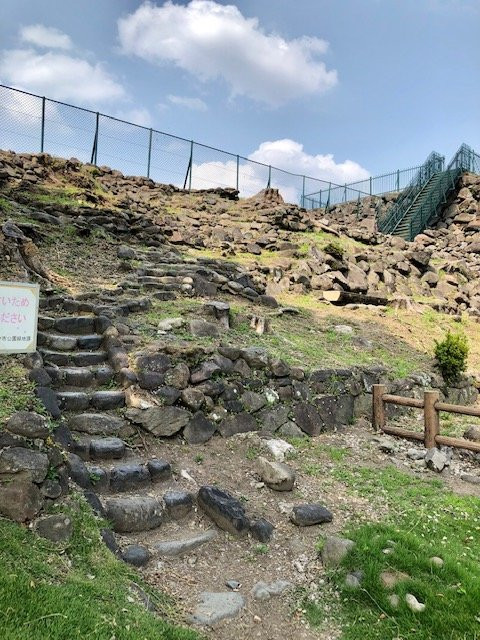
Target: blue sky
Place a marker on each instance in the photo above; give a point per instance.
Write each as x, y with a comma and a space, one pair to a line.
338, 89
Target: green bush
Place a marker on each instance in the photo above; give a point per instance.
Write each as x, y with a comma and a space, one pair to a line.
335, 249
451, 355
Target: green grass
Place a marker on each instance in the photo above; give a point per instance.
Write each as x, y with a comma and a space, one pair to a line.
423, 520
76, 591
5, 205
16, 391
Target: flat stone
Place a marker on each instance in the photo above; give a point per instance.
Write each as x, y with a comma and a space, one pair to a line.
204, 372
390, 579
199, 430
436, 460
308, 419
104, 448
171, 548
106, 400
334, 550
178, 504
240, 423
215, 607
255, 357
204, 329
158, 362
96, 424
253, 401
28, 424
17, 459
73, 400
226, 511
276, 475
57, 528
136, 555
306, 515
160, 421
131, 514
264, 591
129, 477
75, 325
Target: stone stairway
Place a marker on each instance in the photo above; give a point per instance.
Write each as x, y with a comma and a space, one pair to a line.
135, 492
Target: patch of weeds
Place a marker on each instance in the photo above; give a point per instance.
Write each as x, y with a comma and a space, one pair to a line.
252, 453
17, 393
260, 549
422, 520
5, 205
199, 458
313, 469
336, 454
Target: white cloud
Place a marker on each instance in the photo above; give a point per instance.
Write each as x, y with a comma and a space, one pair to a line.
196, 104
213, 41
42, 36
284, 154
137, 115
289, 155
60, 76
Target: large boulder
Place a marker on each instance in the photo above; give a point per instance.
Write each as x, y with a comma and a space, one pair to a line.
160, 421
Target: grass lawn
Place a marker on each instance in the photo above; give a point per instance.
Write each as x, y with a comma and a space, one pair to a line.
76, 591
422, 520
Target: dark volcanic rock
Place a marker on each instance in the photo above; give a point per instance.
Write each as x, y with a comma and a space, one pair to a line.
225, 510
57, 527
160, 421
240, 423
178, 504
305, 515
262, 530
308, 419
136, 555
28, 424
199, 429
134, 513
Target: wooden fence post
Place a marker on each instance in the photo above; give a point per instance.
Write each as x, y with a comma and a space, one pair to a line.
378, 413
431, 418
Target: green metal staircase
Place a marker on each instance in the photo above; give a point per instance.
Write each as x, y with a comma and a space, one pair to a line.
421, 202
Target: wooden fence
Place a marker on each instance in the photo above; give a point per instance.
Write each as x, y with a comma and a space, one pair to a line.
432, 407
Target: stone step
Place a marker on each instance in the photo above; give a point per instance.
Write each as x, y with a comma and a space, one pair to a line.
81, 400
74, 325
130, 514
96, 424
95, 448
119, 476
76, 359
61, 342
81, 376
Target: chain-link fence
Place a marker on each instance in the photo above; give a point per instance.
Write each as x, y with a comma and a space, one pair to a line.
31, 123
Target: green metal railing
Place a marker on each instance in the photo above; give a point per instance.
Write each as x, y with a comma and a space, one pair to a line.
431, 187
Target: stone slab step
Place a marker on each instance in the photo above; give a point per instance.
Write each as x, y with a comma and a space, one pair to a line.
95, 448
134, 513
80, 376
81, 400
180, 547
74, 325
61, 342
76, 359
96, 424
120, 476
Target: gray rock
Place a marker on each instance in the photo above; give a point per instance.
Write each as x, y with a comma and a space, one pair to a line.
291, 430
129, 477
272, 419
199, 430
57, 528
104, 448
279, 368
436, 459
253, 401
215, 607
308, 419
28, 424
226, 511
261, 529
134, 513
158, 362
204, 329
192, 398
160, 421
136, 555
264, 591
240, 423
234, 585
20, 500
255, 357
334, 550
78, 471
178, 504
159, 470
306, 515
204, 372
96, 424
17, 459
472, 433
276, 475
178, 377
169, 324
415, 454
180, 547
354, 580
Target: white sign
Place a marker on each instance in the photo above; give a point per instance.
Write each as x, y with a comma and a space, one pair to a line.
18, 316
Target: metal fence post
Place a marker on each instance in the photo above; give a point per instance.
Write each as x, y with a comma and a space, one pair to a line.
303, 191
269, 176
42, 135
95, 141
370, 185
238, 171
398, 179
149, 152
191, 166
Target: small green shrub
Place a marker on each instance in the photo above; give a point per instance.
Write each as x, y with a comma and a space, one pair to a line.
335, 249
451, 355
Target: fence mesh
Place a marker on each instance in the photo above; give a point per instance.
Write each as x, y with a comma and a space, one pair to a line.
30, 123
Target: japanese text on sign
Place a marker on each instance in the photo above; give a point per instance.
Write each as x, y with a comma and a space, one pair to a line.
18, 317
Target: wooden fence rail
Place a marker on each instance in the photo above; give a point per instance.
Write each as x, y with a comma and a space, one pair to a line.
431, 406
